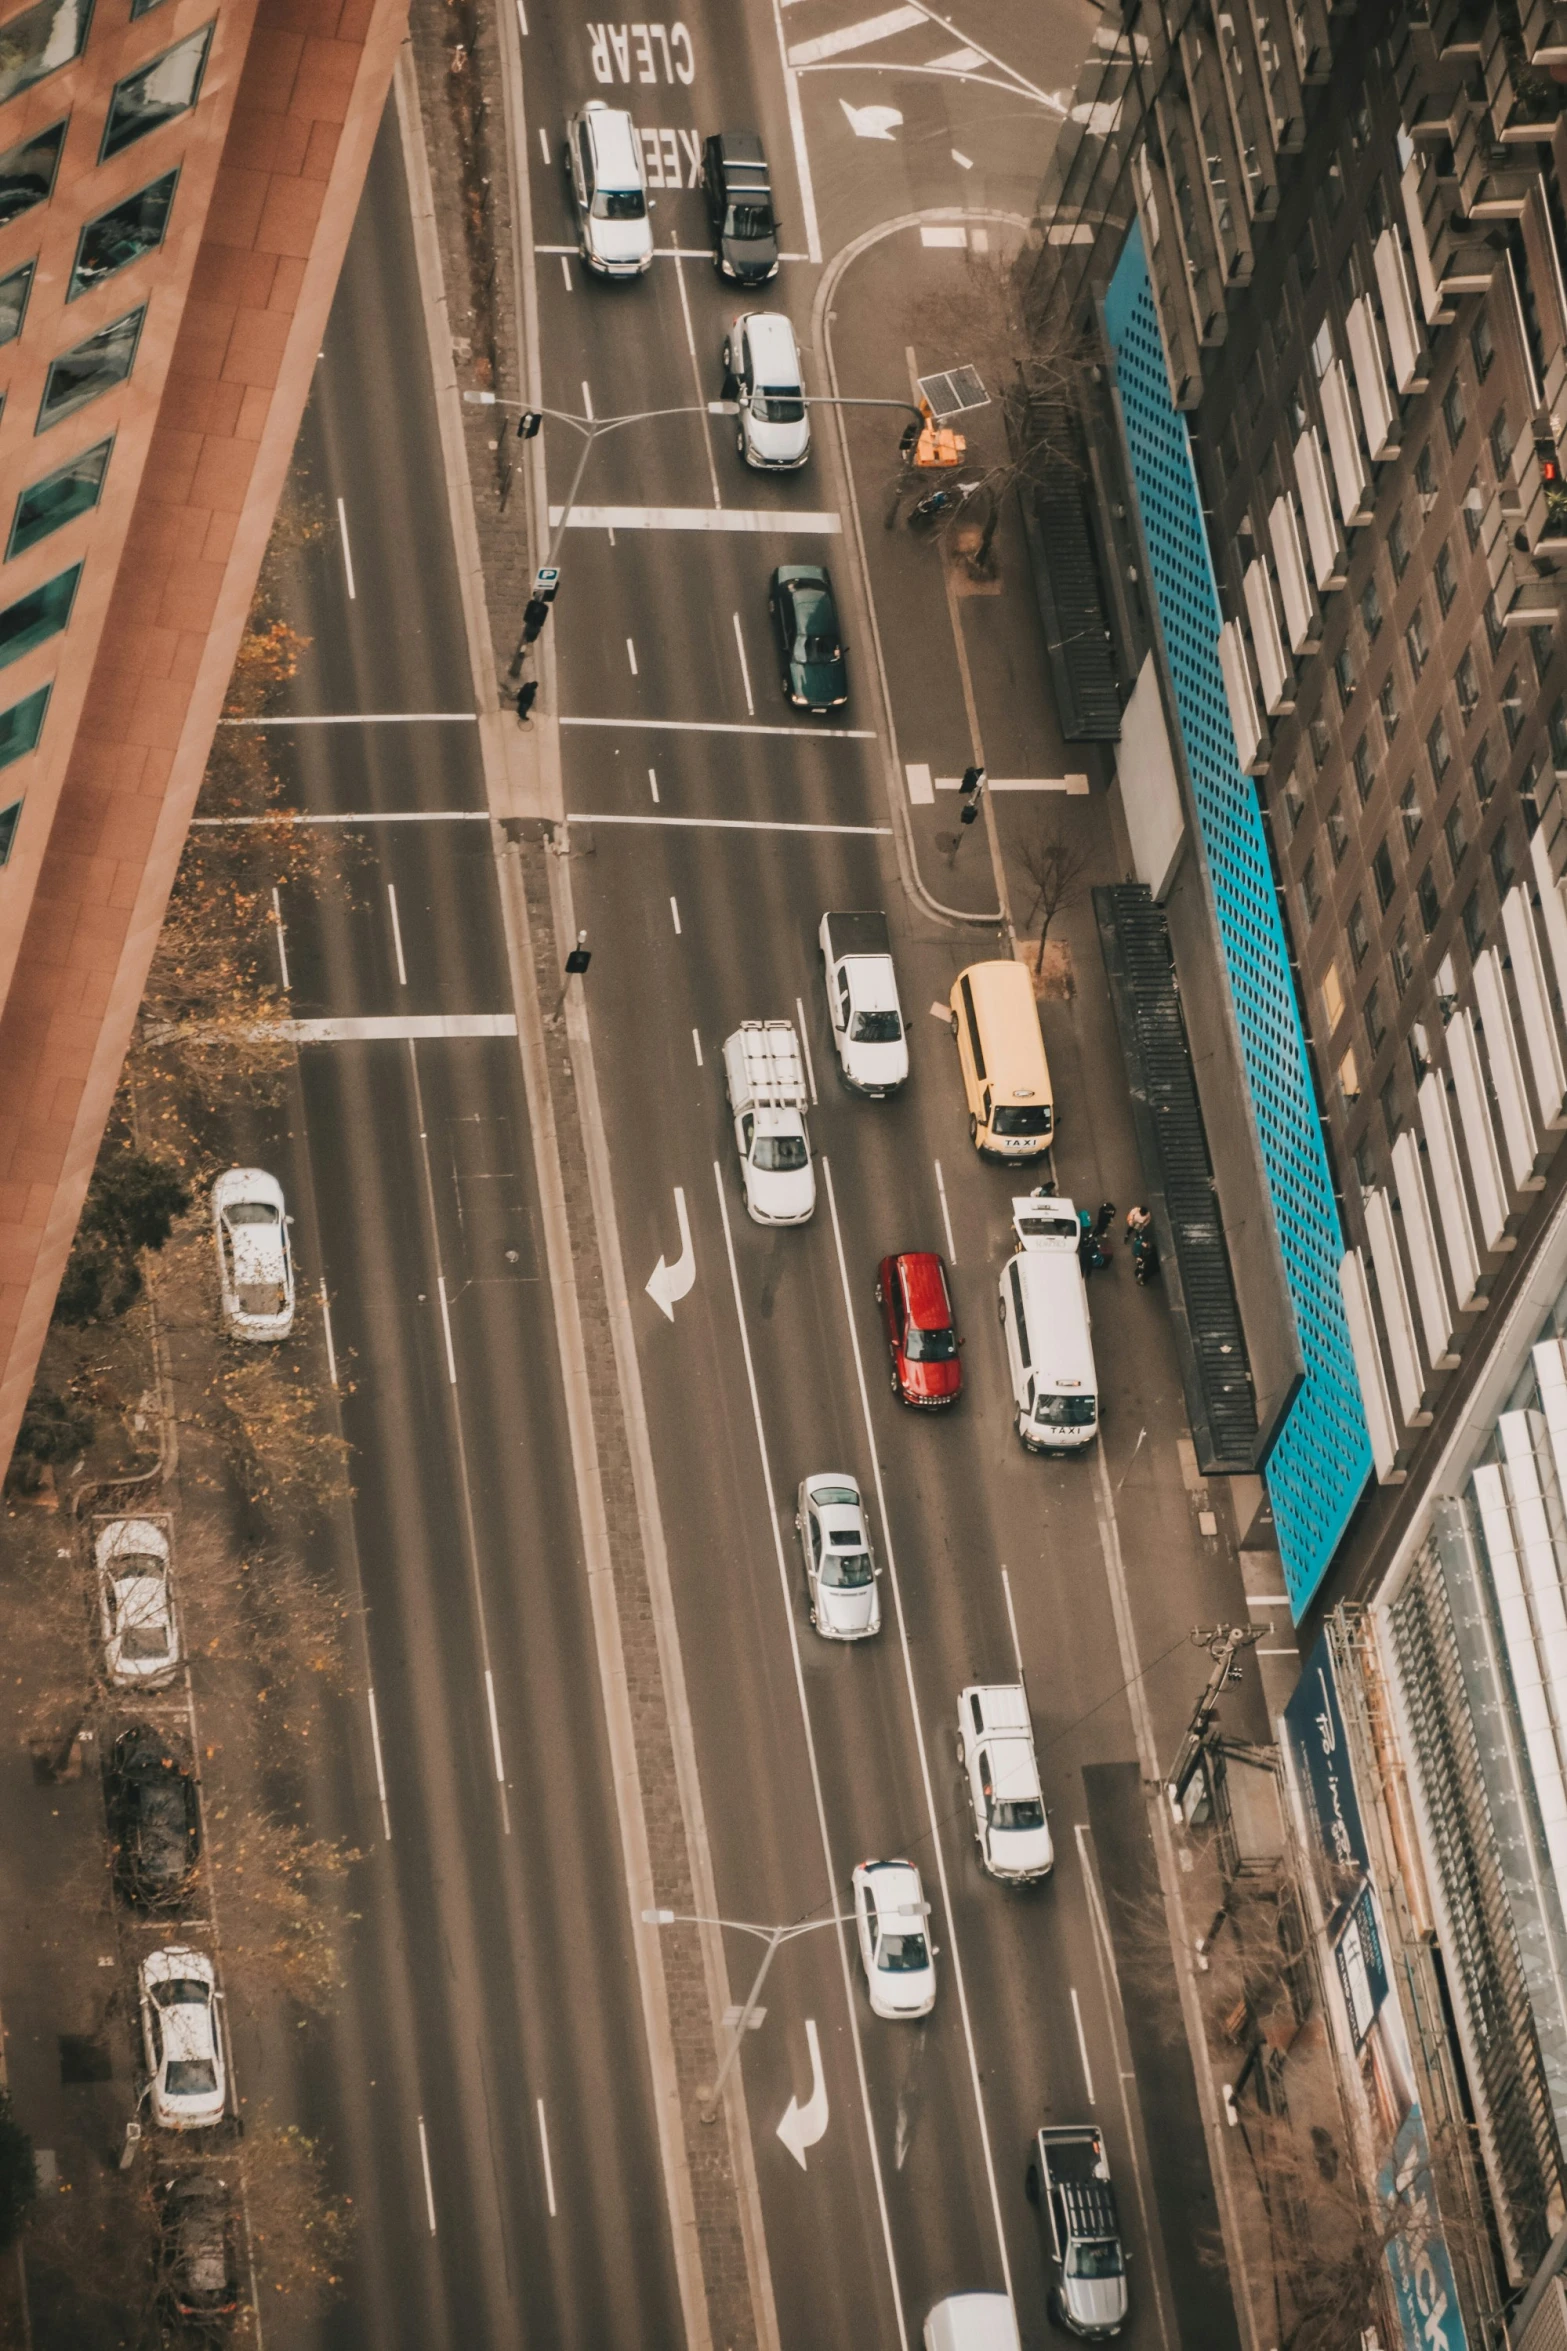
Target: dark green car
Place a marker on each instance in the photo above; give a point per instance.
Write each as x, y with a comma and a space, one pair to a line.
810, 644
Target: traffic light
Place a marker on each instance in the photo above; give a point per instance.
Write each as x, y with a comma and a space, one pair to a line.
528, 424
973, 777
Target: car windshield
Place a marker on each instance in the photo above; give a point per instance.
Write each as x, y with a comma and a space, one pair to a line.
261, 1298
1027, 1118
144, 1641
835, 1494
876, 1028
1016, 1812
620, 204
902, 1954
1095, 2257
129, 1564
190, 2077
774, 404
930, 1346
181, 1991
1065, 1412
252, 1212
749, 220
779, 1154
846, 1571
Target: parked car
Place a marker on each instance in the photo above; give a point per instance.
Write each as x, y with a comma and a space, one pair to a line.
608, 188
199, 2254
181, 2038
761, 363
255, 1260
154, 1816
810, 642
141, 1636
890, 1912
738, 187
840, 1572
916, 1306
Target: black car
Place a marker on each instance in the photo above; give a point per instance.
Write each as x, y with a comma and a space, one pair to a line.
199, 2252
154, 1817
810, 644
738, 188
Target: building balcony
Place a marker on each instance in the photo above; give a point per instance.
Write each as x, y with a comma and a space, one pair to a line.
1528, 593
1544, 27
1461, 262
1456, 27
1524, 104
1490, 185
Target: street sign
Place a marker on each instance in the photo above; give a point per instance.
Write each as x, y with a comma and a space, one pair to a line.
955, 392
546, 580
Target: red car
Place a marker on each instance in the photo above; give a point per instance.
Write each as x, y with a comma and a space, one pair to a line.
921, 1330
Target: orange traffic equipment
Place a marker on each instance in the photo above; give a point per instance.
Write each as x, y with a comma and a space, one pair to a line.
936, 446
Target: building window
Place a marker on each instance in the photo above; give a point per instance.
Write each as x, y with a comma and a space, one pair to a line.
1410, 810
143, 8
1430, 903
1349, 1079
1321, 743
1360, 127
40, 614
1365, 1164
27, 172
1403, 961
58, 499
1332, 996
1389, 1101
160, 91
1387, 703
1333, 181
1502, 862
1425, 478
1371, 610
1559, 735
1474, 927
1453, 415
1438, 749
1466, 680
97, 365
1415, 642
1474, 511
1311, 888
1482, 770
1501, 443
1344, 676
1376, 1026
1338, 832
1542, 644
39, 41
1442, 573
123, 235
10, 818
14, 291
1397, 546
1365, 773
1512, 710
1481, 346
1294, 802
1457, 838
1355, 932
21, 726
1495, 626
1382, 875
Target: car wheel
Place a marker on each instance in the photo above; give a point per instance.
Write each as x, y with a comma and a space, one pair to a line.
879, 1298
1001, 1316
740, 440
959, 1751
784, 683
724, 359
797, 1522
811, 1614
973, 1128
897, 1385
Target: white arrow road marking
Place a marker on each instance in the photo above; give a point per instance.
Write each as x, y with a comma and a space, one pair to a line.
803, 2125
872, 122
666, 1283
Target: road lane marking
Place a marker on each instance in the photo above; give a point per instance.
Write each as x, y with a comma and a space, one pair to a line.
348, 560
631, 656
1278, 1652
668, 1284
282, 943
727, 824
326, 1325
696, 377
544, 2142
921, 794
919, 1734
963, 162
495, 1726
565, 271
871, 122
587, 401
1017, 1646
429, 2191
753, 519
357, 718
803, 2126
941, 1194
355, 816
944, 238
1267, 1599
397, 934
446, 1325
522, 21
1077, 786
544, 145
745, 667
375, 1028
956, 61
806, 1046
652, 778
834, 1875
696, 1039
730, 726
1082, 2044
802, 159
855, 36
380, 1767
674, 909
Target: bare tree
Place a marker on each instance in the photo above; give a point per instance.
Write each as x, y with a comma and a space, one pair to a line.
300, 2231
1055, 867
282, 1894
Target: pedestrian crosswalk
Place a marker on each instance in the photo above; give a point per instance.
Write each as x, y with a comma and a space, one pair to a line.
833, 36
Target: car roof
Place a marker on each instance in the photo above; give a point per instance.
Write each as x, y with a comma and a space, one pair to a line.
617, 151
258, 1249
895, 1884
773, 346
739, 147
925, 1288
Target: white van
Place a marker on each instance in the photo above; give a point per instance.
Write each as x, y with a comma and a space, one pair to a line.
762, 360
972, 2322
608, 186
1044, 1316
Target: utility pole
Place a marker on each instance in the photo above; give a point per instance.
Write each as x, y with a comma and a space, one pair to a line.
1223, 1643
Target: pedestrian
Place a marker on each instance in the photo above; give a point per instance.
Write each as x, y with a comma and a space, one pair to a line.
1138, 1220
910, 441
535, 615
525, 698
1105, 1219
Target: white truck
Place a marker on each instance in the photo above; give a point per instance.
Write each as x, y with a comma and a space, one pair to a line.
862, 1002
996, 1750
1069, 2181
767, 1099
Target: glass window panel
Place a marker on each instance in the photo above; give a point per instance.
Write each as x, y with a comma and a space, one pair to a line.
80, 374
166, 87
27, 172
143, 8
59, 498
40, 614
14, 291
122, 235
40, 41
22, 724
10, 818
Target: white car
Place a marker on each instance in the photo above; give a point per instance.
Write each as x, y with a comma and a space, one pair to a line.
141, 1639
255, 1260
761, 360
890, 1912
608, 184
840, 1573
178, 1990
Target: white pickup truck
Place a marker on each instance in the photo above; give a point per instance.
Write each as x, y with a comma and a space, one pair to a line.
862, 1000
767, 1097
996, 1750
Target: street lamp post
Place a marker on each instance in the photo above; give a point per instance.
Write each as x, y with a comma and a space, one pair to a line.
772, 1937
